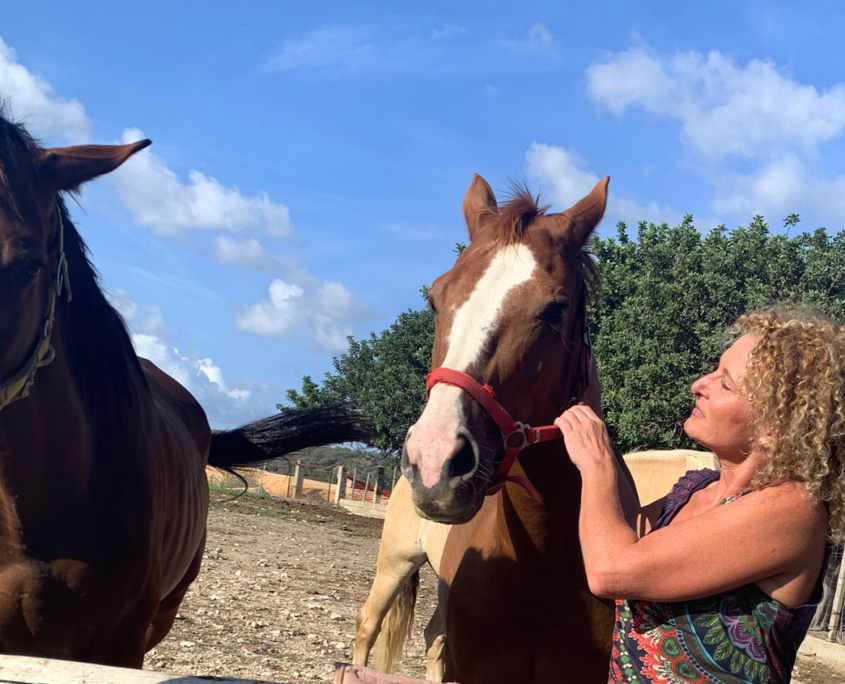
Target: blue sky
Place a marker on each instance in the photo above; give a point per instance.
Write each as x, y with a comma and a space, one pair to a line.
310, 159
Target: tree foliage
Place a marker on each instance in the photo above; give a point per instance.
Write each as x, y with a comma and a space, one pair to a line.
658, 323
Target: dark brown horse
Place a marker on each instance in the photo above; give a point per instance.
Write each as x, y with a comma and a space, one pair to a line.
103, 492
510, 314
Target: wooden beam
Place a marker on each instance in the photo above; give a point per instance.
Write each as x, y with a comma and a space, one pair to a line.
25, 670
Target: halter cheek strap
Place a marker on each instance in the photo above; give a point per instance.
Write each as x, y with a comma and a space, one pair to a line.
19, 385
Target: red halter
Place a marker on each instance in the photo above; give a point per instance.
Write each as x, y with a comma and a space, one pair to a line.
516, 435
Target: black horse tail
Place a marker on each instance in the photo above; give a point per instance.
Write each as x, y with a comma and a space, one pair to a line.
295, 429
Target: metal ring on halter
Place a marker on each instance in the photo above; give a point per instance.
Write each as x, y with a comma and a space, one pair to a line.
520, 430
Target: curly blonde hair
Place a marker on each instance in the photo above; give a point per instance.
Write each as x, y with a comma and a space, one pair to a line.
795, 386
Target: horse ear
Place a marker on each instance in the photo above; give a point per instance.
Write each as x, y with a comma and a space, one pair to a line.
478, 202
66, 168
579, 222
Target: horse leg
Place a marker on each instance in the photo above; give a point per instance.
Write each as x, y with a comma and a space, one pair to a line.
400, 555
124, 645
435, 643
169, 606
389, 581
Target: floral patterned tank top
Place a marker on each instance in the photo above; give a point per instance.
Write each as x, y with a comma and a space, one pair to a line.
738, 636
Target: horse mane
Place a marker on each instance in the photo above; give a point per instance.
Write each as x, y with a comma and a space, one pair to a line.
99, 350
511, 221
95, 336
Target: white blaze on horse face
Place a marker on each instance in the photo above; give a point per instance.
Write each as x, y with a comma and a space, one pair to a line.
434, 439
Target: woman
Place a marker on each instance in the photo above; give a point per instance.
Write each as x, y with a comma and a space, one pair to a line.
718, 582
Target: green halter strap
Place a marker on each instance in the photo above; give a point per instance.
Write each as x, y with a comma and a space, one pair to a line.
19, 385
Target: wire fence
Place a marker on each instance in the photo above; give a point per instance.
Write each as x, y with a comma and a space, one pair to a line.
312, 482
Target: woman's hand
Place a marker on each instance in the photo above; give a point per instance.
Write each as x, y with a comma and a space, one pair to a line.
586, 437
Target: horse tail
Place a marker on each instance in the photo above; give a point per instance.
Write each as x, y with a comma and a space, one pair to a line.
396, 626
291, 430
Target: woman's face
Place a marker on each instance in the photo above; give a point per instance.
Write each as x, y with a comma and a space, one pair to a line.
721, 420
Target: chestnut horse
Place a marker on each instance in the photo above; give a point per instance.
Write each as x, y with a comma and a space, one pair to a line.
511, 324
103, 492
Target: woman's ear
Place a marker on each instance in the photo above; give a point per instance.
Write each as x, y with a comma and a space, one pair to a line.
765, 439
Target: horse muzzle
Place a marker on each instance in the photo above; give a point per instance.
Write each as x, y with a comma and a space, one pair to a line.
444, 471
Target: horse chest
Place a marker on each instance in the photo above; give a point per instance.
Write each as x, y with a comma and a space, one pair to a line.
519, 595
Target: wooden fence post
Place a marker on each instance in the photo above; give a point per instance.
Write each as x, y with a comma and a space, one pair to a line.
378, 485
354, 482
838, 601
340, 492
298, 479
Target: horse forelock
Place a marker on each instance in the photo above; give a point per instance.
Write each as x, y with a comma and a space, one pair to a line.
511, 221
19, 158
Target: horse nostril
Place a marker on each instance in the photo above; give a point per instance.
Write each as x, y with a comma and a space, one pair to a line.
464, 462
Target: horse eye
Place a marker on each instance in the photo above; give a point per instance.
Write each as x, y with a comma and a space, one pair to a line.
554, 314
429, 304
33, 268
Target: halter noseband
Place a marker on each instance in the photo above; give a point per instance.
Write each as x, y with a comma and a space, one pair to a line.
516, 435
19, 385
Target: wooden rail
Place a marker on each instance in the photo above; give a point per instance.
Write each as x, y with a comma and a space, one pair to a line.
25, 670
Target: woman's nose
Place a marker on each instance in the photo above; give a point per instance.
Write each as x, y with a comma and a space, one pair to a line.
699, 385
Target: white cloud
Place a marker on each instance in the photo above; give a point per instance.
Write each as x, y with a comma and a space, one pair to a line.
343, 49
539, 35
567, 180
325, 312
759, 131
778, 188
141, 318
248, 253
152, 192
285, 311
226, 406
447, 51
750, 111
158, 199
32, 100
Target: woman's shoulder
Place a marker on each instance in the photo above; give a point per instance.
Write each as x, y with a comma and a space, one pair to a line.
792, 498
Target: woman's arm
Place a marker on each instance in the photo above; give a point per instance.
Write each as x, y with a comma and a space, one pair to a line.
627, 489
766, 533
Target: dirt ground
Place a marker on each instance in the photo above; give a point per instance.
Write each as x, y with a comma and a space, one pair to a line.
276, 599
279, 590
